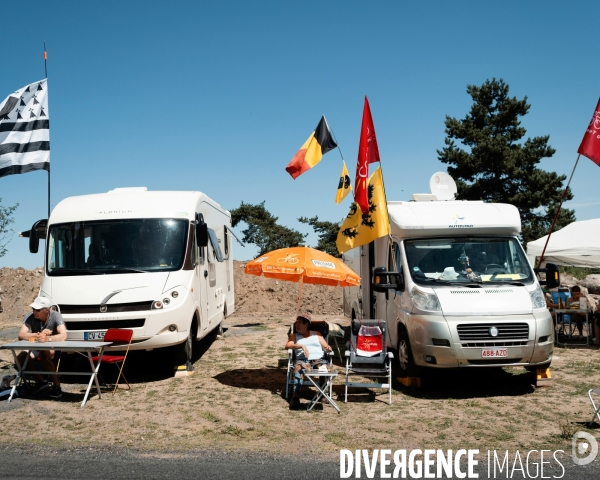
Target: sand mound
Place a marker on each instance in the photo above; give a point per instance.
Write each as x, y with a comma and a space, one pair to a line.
253, 295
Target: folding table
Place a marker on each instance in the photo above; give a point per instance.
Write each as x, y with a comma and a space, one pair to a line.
321, 390
83, 347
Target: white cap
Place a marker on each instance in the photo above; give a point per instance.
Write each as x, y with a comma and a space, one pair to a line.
449, 274
41, 302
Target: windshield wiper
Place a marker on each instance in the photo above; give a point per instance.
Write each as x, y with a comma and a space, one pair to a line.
74, 271
122, 270
506, 282
436, 280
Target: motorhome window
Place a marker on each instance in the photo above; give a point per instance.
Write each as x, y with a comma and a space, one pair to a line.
215, 245
397, 266
225, 242
116, 246
467, 260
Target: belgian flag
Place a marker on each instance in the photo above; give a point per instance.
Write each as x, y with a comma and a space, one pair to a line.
318, 144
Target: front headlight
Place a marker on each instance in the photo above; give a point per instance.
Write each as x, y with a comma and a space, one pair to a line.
425, 301
537, 298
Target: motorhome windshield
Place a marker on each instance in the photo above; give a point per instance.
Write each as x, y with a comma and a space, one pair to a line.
467, 261
116, 246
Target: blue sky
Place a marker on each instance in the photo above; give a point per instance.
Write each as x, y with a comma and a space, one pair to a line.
219, 96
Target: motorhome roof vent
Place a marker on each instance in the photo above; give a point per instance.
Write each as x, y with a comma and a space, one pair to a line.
128, 189
424, 197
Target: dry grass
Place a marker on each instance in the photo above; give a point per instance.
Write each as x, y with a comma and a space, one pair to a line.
234, 400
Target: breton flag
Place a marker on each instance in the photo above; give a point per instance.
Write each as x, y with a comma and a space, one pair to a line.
25, 130
318, 144
368, 152
590, 145
359, 228
344, 186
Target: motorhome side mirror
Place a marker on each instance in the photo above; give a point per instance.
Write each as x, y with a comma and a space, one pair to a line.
34, 239
201, 234
381, 280
552, 276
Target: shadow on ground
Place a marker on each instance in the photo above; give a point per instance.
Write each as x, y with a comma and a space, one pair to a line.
140, 366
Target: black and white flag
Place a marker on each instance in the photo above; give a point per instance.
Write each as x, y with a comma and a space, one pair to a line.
25, 130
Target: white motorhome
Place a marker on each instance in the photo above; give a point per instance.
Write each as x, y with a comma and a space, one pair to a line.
465, 295
159, 263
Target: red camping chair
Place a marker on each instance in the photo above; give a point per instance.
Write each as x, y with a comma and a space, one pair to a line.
118, 337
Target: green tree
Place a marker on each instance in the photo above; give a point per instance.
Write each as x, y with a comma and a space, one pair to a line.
5, 232
495, 167
263, 230
327, 232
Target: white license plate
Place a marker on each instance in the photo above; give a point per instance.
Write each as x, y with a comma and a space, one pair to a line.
93, 335
494, 352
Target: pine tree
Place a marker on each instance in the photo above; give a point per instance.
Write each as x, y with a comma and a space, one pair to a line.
495, 167
327, 232
263, 230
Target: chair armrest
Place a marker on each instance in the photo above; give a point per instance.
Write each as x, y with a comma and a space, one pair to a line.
347, 353
390, 355
290, 353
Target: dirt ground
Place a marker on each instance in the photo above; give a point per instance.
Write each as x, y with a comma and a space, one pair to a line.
234, 399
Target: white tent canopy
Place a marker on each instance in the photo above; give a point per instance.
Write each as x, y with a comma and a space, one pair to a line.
577, 244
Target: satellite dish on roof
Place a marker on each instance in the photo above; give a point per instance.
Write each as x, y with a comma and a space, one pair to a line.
442, 186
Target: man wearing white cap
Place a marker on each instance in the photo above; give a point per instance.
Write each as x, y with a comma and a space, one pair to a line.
44, 325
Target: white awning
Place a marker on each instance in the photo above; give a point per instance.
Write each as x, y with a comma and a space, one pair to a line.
577, 244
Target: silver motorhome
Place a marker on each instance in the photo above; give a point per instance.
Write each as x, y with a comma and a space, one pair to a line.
465, 294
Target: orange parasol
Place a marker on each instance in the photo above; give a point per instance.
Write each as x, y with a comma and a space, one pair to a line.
304, 265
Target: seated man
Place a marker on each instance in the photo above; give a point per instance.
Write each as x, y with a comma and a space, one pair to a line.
44, 325
309, 346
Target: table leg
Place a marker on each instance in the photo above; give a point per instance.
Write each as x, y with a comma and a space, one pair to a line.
19, 373
321, 392
94, 376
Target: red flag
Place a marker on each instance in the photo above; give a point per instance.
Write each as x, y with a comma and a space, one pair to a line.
368, 152
590, 145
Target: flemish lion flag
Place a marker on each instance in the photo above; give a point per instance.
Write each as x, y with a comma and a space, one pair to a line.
359, 229
344, 187
318, 144
368, 152
25, 130
590, 145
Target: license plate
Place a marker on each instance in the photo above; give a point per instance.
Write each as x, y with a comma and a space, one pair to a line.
494, 352
93, 335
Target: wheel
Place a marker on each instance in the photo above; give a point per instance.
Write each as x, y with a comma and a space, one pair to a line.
533, 368
406, 365
184, 351
217, 331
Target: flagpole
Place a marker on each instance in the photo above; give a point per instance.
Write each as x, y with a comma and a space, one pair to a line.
558, 211
46, 76
334, 138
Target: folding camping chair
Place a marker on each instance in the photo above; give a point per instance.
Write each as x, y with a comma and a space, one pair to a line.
596, 409
317, 326
367, 356
119, 338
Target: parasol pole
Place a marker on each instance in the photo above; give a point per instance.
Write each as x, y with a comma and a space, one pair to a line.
299, 298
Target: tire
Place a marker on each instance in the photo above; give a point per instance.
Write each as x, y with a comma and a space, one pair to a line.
533, 368
185, 350
405, 365
217, 331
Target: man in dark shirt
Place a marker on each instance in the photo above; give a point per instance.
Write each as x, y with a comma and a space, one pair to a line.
44, 325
